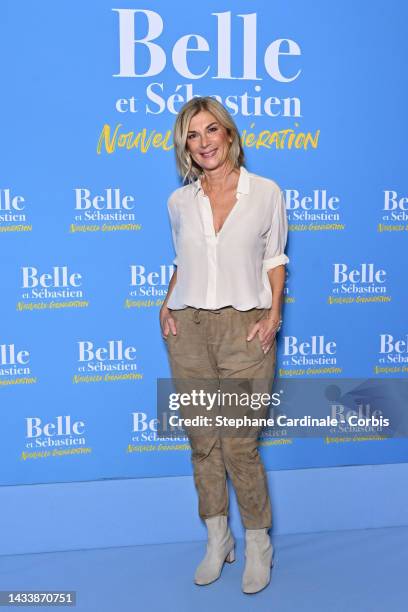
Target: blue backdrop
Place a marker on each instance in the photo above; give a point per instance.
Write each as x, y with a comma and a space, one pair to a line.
90, 93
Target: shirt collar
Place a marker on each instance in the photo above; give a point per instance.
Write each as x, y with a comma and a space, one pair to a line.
243, 182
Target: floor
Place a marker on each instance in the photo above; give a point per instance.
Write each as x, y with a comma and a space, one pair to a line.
342, 571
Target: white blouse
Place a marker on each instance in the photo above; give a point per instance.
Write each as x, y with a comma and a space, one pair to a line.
228, 268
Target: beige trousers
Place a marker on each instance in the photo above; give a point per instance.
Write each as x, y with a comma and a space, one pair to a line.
210, 350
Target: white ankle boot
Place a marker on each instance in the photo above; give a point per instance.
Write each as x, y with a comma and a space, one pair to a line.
220, 548
258, 555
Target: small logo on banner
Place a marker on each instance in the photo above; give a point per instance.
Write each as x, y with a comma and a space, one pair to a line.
113, 362
59, 287
361, 284
110, 211
148, 288
13, 215
392, 357
62, 436
315, 211
308, 356
394, 216
144, 436
288, 296
15, 367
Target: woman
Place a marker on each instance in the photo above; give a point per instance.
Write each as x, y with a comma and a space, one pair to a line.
221, 316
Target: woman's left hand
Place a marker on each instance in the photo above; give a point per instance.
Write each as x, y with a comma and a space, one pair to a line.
266, 330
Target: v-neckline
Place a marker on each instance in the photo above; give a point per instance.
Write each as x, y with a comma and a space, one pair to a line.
237, 198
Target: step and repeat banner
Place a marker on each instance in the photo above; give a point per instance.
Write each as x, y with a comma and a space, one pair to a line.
90, 93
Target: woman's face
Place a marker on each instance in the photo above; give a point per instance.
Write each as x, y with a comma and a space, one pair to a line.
208, 141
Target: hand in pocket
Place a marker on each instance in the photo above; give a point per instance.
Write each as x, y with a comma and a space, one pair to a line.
167, 323
265, 329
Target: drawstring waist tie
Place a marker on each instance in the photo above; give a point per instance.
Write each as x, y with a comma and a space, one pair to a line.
197, 312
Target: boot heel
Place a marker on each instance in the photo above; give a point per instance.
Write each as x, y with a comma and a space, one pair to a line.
230, 558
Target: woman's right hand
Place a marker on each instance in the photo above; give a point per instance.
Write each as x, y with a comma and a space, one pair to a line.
167, 322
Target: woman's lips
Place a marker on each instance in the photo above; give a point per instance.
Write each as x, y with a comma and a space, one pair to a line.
209, 153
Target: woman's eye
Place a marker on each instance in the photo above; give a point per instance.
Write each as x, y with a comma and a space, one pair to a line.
211, 129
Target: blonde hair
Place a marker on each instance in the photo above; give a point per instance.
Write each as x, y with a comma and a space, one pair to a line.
187, 167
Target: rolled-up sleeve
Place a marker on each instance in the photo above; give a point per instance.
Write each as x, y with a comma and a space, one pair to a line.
174, 222
277, 236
